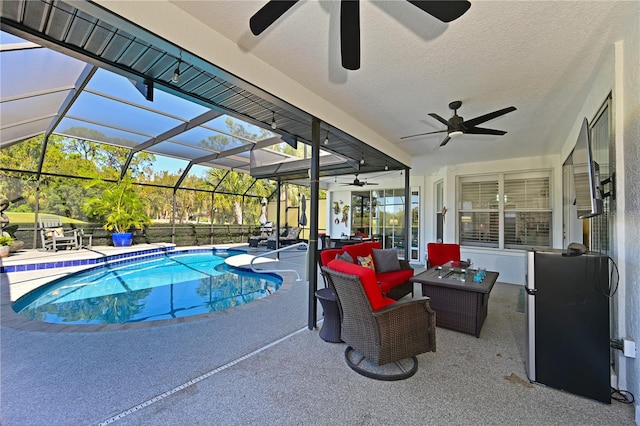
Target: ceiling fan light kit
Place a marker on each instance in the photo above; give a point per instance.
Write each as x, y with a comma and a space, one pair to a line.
445, 11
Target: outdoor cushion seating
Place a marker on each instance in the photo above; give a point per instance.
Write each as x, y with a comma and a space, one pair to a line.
392, 275
291, 236
53, 236
288, 236
440, 253
379, 329
265, 232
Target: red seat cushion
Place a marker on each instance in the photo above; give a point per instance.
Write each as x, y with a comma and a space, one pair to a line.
367, 278
389, 280
441, 253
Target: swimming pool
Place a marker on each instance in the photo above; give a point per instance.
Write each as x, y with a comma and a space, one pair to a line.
161, 287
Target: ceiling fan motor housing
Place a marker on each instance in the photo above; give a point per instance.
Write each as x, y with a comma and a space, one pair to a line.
456, 123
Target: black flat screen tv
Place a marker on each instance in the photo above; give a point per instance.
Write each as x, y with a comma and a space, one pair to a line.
586, 176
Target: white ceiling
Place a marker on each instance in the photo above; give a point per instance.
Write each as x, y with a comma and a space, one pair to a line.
538, 56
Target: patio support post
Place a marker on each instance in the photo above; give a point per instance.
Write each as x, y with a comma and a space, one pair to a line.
312, 250
211, 211
45, 142
407, 214
173, 217
278, 212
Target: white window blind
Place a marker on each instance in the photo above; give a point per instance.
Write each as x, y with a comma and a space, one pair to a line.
519, 204
478, 195
478, 215
526, 194
527, 216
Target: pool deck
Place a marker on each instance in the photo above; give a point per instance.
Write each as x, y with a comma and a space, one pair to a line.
259, 364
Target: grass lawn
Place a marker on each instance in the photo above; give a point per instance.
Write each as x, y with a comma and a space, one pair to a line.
30, 218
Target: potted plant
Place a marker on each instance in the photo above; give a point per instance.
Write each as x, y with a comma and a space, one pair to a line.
120, 208
5, 245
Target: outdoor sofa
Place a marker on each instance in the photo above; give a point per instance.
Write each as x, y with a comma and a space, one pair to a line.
392, 274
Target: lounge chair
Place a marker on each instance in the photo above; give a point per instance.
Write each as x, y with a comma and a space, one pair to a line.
288, 236
53, 236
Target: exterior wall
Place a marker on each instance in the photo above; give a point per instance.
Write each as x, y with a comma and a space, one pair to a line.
335, 230
511, 264
628, 215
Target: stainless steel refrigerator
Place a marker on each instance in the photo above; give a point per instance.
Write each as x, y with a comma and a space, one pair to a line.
567, 312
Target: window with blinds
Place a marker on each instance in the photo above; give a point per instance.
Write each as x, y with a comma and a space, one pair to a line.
505, 211
527, 216
478, 213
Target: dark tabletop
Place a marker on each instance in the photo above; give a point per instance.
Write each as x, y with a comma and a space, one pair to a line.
430, 276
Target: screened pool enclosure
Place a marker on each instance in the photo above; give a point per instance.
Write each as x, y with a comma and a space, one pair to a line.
87, 94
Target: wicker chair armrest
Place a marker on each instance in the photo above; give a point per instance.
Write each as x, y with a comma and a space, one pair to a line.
406, 318
400, 303
406, 313
404, 264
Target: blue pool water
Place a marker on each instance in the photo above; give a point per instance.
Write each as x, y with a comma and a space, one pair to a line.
169, 286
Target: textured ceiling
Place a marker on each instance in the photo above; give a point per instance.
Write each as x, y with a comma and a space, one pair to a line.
538, 56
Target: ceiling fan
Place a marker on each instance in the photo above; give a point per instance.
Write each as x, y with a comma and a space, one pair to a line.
358, 182
446, 11
457, 126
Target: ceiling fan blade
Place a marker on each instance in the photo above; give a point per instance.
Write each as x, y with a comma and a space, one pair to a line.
422, 134
350, 34
483, 131
371, 183
440, 119
446, 11
268, 14
444, 142
479, 120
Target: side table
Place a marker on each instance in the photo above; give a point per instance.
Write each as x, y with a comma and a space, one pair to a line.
330, 331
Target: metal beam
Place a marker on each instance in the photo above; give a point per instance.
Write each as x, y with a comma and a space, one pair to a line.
239, 149
182, 176
181, 128
407, 214
312, 250
83, 79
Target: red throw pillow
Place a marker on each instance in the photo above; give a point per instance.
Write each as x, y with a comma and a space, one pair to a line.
367, 278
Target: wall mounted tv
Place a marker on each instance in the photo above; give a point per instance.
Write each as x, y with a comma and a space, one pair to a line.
586, 176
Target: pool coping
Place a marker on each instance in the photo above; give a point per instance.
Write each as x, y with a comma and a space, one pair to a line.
11, 319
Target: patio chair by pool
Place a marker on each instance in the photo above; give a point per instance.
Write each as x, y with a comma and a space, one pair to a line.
383, 336
288, 236
53, 236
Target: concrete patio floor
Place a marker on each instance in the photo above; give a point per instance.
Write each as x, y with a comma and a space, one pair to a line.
259, 364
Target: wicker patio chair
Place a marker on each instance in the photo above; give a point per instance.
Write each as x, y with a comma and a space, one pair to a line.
393, 334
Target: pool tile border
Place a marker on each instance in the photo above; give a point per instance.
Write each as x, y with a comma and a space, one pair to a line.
84, 262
